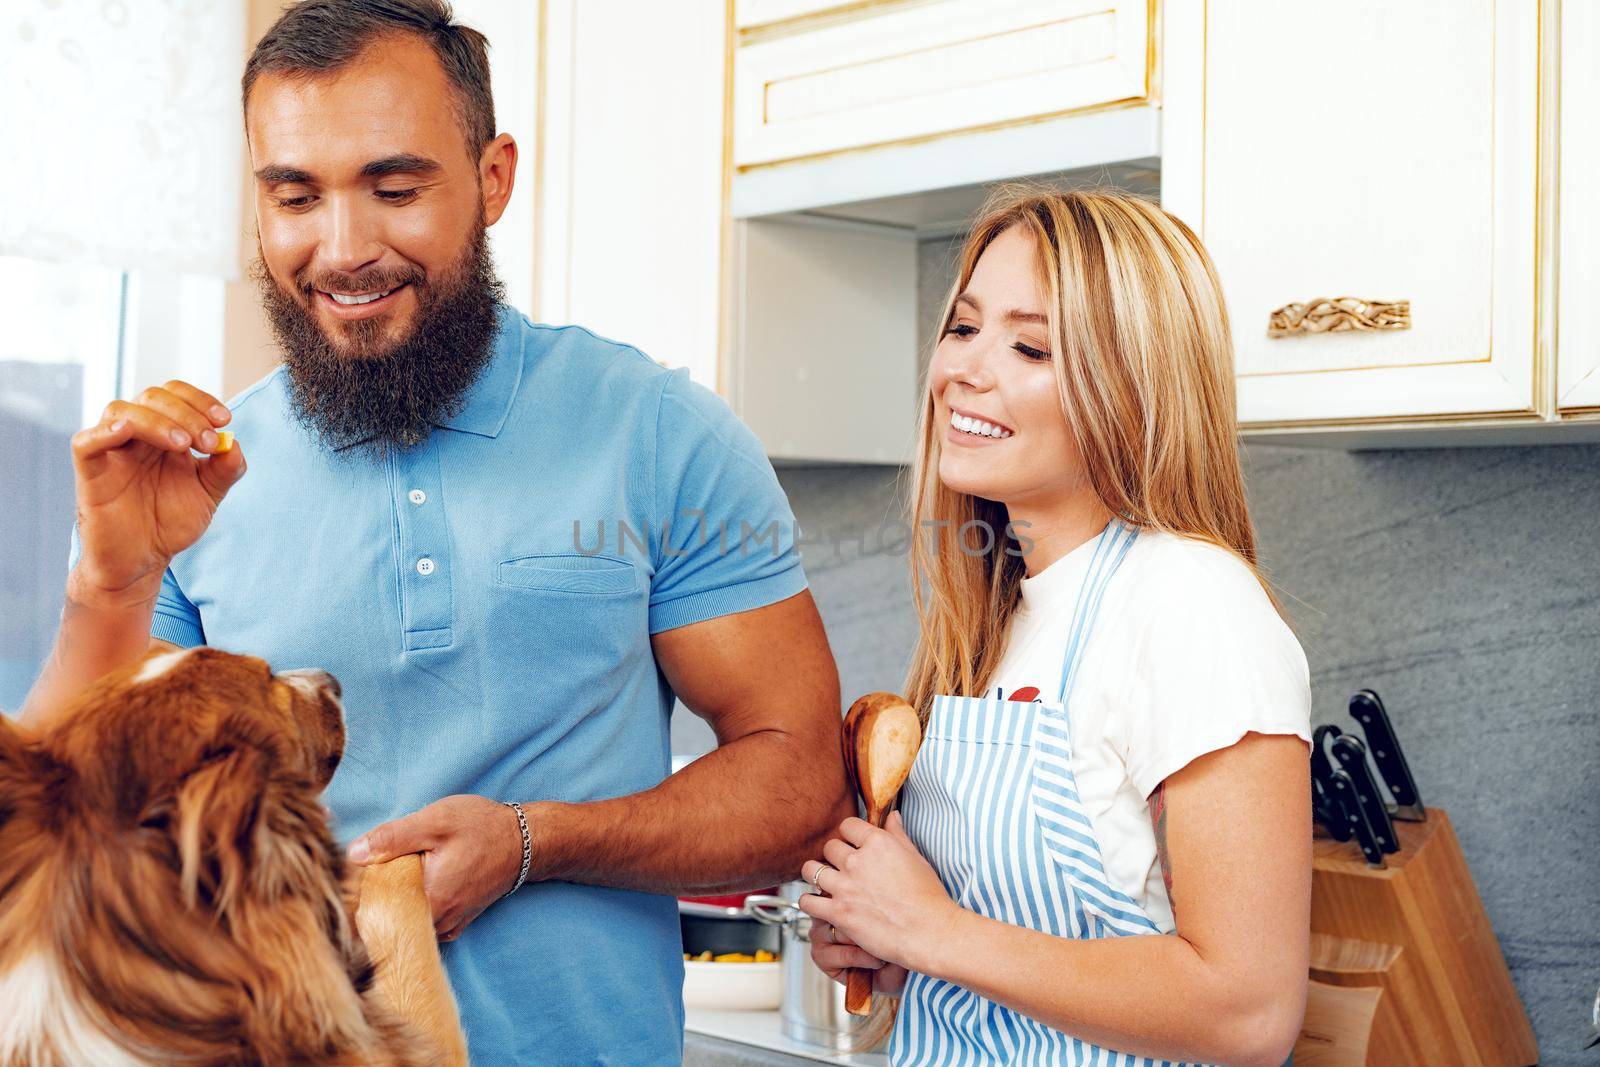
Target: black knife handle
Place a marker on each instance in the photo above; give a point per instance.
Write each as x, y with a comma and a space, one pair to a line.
1352, 757
1324, 812
1331, 811
1320, 764
1344, 790
1369, 711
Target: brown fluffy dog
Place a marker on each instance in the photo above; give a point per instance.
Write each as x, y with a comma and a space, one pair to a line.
170, 892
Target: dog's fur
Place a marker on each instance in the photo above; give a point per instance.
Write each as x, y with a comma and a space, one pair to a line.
170, 892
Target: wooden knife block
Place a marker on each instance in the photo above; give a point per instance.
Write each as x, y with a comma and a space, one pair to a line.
1405, 968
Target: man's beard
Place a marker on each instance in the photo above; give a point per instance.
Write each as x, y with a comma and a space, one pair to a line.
386, 396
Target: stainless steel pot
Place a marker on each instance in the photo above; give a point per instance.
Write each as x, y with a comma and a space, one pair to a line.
812, 1008
720, 929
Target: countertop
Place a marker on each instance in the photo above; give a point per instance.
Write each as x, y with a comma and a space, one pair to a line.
756, 1039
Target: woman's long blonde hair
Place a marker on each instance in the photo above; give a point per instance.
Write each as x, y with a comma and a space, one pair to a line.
1145, 370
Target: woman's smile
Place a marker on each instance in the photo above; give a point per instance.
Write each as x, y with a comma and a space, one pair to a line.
971, 431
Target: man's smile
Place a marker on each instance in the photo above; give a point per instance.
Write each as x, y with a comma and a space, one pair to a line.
360, 305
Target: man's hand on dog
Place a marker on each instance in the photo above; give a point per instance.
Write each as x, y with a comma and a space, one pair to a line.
471, 853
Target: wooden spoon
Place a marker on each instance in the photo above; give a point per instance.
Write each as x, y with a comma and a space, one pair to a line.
881, 738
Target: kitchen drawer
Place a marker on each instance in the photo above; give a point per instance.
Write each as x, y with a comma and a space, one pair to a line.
1378, 151
915, 71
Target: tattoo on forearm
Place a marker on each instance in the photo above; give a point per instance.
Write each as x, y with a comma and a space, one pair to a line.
1158, 817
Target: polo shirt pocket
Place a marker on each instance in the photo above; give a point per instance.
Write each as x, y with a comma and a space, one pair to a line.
568, 572
565, 640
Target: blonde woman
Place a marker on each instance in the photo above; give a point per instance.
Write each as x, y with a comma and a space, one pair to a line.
1103, 853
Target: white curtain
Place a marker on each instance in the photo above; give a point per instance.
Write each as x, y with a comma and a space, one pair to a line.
120, 133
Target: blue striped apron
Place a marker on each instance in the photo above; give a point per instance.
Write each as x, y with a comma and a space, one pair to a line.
993, 805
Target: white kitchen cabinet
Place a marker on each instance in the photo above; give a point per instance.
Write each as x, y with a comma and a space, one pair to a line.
629, 188
1387, 152
512, 30
893, 73
858, 129
825, 352
1578, 365
826, 362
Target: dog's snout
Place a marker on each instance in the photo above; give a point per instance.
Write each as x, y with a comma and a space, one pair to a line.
329, 682
319, 715
319, 680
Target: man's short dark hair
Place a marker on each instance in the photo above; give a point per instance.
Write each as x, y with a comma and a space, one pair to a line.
318, 36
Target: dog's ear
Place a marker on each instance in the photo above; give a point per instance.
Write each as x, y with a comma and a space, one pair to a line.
11, 769
18, 773
218, 808
10, 743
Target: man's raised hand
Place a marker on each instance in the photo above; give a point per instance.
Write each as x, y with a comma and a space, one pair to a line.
142, 497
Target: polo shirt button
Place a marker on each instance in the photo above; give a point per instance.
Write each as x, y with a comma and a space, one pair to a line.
424, 566
418, 497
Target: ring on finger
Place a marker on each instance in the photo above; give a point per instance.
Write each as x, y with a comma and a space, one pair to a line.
816, 876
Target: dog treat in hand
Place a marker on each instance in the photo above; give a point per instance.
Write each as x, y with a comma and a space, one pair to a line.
224, 441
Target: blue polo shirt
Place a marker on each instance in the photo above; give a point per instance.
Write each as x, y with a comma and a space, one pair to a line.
486, 600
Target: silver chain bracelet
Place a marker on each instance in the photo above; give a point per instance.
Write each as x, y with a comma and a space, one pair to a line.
527, 847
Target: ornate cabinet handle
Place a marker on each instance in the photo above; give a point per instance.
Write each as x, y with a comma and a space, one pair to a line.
1323, 315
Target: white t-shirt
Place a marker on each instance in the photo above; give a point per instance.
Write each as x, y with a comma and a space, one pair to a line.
1188, 655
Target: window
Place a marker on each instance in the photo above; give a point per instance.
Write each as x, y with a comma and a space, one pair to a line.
59, 360
76, 338
121, 144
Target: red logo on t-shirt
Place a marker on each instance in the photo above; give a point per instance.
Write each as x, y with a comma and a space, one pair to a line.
1025, 694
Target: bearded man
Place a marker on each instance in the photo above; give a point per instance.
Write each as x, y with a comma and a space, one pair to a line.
421, 465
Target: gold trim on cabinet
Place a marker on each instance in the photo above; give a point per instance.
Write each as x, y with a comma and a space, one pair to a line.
766, 87
725, 279
1498, 417
1547, 212
837, 15
540, 133
1338, 315
1108, 105
1205, 110
1450, 362
1152, 27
